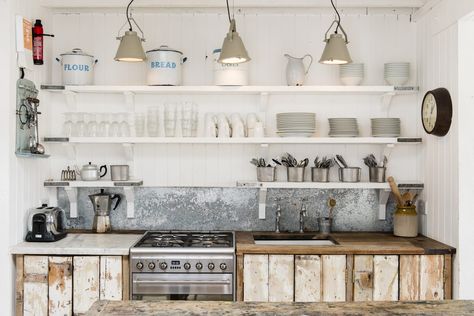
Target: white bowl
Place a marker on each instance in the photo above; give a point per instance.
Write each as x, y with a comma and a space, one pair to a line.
396, 81
351, 81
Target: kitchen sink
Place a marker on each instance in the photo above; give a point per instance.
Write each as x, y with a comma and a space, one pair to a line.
295, 239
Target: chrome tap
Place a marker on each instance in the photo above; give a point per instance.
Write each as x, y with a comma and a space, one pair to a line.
302, 216
277, 219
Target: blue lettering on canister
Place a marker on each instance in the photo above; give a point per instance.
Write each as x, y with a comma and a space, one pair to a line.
162, 64
76, 67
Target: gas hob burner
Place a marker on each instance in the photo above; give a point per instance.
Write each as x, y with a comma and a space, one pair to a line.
186, 240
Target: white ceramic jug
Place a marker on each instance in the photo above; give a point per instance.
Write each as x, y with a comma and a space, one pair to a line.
296, 70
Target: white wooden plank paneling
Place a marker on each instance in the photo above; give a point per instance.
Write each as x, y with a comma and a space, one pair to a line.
85, 282
334, 278
431, 277
409, 278
256, 278
111, 278
281, 278
35, 288
308, 278
60, 285
363, 278
385, 278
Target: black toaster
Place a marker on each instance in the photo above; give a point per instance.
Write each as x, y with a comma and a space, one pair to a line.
46, 224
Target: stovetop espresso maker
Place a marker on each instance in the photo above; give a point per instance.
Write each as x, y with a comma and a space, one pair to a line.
102, 203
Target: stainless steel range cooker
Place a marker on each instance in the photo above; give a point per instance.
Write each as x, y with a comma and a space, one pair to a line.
183, 265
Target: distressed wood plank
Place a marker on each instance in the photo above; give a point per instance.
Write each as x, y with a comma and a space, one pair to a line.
448, 277
363, 278
240, 278
431, 277
35, 285
256, 278
86, 283
409, 278
126, 278
349, 278
60, 285
111, 278
19, 286
281, 272
334, 278
385, 278
307, 278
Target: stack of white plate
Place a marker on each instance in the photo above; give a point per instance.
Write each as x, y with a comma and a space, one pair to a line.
385, 127
397, 74
296, 124
351, 74
343, 127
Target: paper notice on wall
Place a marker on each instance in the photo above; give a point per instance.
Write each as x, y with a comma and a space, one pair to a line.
24, 42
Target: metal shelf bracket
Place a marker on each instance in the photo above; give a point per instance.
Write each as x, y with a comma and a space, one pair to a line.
262, 203
129, 193
71, 100
383, 199
70, 151
129, 100
72, 196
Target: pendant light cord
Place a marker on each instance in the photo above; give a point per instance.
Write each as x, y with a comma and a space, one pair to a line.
228, 10
338, 16
128, 17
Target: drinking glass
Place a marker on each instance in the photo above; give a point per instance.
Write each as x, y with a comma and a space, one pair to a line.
80, 126
114, 130
124, 126
187, 120
68, 125
139, 124
152, 121
104, 125
170, 120
195, 120
91, 125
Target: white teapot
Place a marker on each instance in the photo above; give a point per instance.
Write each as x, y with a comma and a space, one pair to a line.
296, 70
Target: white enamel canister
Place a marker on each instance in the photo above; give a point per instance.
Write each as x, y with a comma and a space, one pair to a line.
77, 67
229, 74
164, 66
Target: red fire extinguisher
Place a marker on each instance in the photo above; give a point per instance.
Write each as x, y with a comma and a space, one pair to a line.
38, 45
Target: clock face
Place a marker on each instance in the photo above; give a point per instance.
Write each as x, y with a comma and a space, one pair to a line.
430, 112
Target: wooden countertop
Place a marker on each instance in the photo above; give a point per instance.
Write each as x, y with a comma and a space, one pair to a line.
183, 308
346, 243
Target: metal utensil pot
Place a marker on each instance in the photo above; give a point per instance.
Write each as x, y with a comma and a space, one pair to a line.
102, 203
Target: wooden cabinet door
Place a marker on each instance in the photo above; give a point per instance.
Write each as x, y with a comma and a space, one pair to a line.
281, 278
86, 282
60, 285
422, 277
385, 278
308, 278
111, 278
363, 278
35, 285
334, 278
256, 278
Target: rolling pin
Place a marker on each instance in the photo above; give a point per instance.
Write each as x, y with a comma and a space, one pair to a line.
395, 191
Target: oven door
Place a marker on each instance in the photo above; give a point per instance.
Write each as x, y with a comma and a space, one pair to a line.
184, 286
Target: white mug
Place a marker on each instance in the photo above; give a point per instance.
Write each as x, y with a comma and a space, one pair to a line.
259, 130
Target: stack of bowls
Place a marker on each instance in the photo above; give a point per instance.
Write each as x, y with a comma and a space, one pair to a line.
385, 127
351, 74
296, 124
343, 127
397, 74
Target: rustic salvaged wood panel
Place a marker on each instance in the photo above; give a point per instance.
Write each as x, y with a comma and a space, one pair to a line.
111, 278
363, 278
60, 285
86, 282
281, 278
334, 278
35, 285
448, 277
256, 278
431, 277
125, 278
307, 278
409, 278
385, 278
19, 284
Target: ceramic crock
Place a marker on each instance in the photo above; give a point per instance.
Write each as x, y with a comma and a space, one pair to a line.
229, 74
77, 67
164, 66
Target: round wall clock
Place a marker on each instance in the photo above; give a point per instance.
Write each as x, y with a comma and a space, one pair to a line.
437, 111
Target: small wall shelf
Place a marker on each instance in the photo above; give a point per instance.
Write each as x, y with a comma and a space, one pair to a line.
383, 188
71, 190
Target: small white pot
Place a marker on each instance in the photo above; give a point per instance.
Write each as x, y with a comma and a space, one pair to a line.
229, 74
77, 67
164, 66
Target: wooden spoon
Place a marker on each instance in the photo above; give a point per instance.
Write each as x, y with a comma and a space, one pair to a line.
407, 198
395, 191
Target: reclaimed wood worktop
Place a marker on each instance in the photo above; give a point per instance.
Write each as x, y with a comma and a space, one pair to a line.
345, 243
183, 308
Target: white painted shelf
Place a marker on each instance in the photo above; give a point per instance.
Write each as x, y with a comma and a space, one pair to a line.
71, 190
251, 90
383, 190
258, 141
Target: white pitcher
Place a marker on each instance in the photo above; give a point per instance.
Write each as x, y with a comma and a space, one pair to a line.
296, 71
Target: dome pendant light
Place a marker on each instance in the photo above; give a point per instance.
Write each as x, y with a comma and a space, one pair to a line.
130, 48
233, 50
336, 52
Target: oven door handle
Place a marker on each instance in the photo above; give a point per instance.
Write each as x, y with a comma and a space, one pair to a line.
181, 282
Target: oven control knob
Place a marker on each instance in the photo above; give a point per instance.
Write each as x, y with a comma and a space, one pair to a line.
199, 265
187, 266
223, 266
139, 265
211, 266
163, 266
151, 266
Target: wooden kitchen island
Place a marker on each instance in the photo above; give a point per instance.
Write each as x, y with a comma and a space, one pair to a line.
357, 267
186, 308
